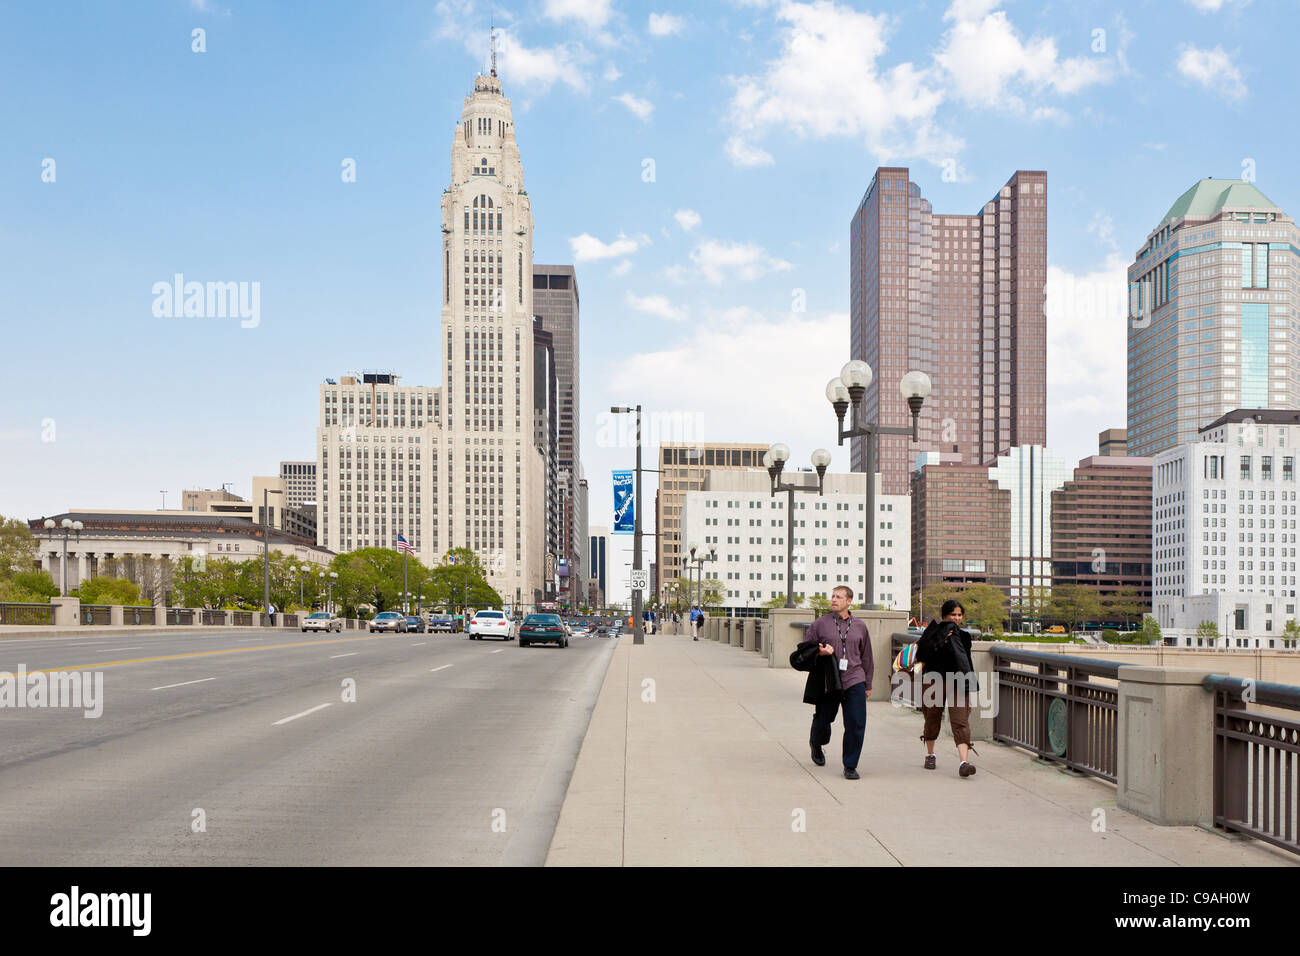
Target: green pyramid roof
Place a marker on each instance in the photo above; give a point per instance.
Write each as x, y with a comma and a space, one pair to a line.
1210, 196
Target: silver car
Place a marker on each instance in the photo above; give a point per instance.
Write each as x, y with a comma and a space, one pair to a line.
322, 621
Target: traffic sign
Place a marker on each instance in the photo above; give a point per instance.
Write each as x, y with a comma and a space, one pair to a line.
640, 580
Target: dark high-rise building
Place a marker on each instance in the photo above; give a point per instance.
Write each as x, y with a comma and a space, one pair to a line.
1101, 527
961, 298
1113, 442
546, 439
555, 302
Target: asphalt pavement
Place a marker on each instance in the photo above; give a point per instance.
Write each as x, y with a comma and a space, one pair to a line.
240, 747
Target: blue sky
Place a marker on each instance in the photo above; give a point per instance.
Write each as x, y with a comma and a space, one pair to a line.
763, 123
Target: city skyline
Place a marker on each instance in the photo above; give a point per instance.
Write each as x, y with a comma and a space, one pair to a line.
676, 269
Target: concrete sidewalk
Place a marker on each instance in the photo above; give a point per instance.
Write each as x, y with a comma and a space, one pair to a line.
708, 765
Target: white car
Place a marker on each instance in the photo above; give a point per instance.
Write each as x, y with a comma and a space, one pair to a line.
322, 621
491, 624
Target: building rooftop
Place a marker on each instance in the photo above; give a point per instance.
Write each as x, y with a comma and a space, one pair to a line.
1211, 196
1262, 416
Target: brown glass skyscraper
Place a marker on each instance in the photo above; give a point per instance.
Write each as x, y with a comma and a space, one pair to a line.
961, 298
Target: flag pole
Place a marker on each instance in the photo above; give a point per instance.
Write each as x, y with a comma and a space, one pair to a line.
405, 605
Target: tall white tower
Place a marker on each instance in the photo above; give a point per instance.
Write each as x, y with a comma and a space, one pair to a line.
491, 498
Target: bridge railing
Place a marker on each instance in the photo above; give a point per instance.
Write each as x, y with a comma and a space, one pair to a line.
31, 614
1059, 707
1257, 759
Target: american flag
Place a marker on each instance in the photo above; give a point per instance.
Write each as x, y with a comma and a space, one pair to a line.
403, 545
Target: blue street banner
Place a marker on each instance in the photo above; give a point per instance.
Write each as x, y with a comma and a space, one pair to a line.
624, 503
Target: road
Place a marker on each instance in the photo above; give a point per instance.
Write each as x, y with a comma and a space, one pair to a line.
238, 748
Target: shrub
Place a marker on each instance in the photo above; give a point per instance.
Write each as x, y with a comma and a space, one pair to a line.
1110, 636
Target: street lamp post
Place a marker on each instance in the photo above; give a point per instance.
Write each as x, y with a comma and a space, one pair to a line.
849, 389
266, 554
298, 570
774, 460
638, 626
699, 566
67, 526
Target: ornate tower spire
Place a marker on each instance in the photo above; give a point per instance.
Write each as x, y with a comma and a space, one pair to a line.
492, 45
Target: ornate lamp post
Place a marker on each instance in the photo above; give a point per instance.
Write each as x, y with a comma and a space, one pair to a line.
67, 527
699, 568
849, 389
774, 460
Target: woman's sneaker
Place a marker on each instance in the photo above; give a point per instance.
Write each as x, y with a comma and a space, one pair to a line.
967, 769
929, 762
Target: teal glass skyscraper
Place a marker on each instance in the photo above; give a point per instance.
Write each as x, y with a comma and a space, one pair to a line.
1213, 314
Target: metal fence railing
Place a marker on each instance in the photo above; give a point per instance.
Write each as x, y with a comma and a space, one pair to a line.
288, 620
241, 618
212, 616
96, 614
138, 615
1057, 708
180, 615
26, 613
1257, 759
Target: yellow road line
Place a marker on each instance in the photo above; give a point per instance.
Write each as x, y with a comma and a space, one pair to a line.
233, 650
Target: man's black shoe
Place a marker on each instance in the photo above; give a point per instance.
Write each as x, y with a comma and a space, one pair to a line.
850, 773
819, 758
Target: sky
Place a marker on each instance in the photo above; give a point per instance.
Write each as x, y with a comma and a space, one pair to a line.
698, 164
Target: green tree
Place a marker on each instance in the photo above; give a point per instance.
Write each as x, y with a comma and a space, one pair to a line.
39, 583
1125, 603
820, 603
1032, 605
779, 601
935, 595
1075, 604
1208, 629
1291, 631
712, 593
104, 590
1151, 630
985, 605
18, 547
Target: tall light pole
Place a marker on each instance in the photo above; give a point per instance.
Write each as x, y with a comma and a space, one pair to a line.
774, 460
298, 571
850, 388
699, 565
638, 626
266, 552
67, 526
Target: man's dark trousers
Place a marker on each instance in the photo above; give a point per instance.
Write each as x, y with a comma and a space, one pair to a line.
854, 704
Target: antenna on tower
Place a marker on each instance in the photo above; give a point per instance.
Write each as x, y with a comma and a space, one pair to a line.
492, 43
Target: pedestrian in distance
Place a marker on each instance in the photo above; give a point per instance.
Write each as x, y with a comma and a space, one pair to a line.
697, 618
845, 639
948, 676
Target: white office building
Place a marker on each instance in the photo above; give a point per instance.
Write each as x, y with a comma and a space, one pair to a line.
1224, 531
736, 515
455, 465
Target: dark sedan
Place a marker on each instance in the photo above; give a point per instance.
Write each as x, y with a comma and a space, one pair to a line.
414, 624
543, 629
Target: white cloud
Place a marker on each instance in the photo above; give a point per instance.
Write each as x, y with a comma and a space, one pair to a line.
623, 268
611, 73
688, 219
743, 153
826, 82
587, 248
657, 305
985, 59
715, 258
1212, 69
1051, 113
642, 108
1214, 6
794, 354
665, 24
536, 68
594, 14
1087, 345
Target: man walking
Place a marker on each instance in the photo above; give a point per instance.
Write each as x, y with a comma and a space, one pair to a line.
948, 676
697, 617
845, 637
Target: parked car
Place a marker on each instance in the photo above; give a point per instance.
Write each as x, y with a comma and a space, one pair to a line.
322, 621
414, 624
491, 624
543, 629
1055, 629
388, 621
443, 622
